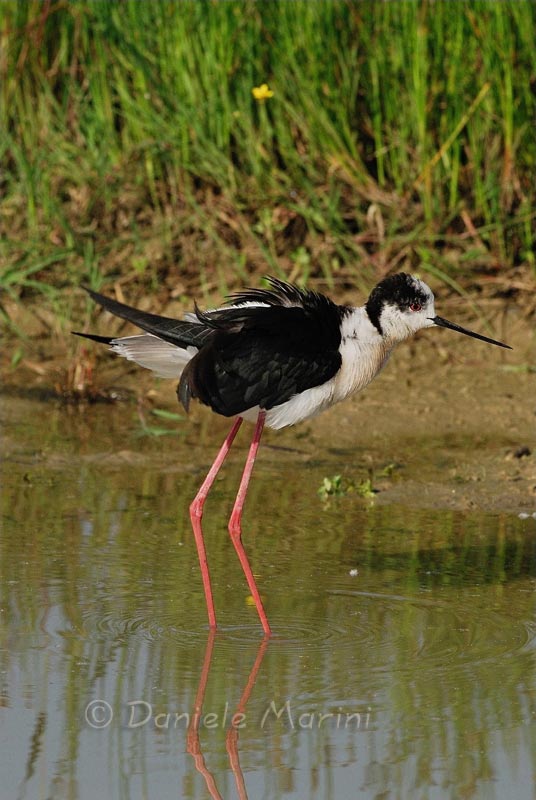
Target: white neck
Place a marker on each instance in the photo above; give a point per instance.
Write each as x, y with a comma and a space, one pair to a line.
364, 352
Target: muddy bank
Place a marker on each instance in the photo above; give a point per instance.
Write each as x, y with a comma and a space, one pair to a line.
449, 423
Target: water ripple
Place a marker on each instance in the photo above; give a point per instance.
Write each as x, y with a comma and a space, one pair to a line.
122, 628
391, 632
413, 632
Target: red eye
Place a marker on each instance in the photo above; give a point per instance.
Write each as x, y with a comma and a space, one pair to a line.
415, 307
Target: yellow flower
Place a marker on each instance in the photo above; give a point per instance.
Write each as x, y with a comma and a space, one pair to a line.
262, 92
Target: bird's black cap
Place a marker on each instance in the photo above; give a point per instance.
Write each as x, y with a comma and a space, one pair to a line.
398, 290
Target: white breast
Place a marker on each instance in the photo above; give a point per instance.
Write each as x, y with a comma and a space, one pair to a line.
363, 353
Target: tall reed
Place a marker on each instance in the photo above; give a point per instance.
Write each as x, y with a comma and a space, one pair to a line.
423, 112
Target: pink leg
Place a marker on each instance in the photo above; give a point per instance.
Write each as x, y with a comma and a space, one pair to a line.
196, 515
235, 525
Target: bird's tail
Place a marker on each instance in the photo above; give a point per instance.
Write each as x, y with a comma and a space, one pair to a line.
164, 359
167, 345
182, 333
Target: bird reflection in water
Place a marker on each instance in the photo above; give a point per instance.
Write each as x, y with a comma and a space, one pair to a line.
193, 744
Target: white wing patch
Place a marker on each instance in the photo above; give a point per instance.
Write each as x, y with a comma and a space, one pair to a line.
165, 359
190, 316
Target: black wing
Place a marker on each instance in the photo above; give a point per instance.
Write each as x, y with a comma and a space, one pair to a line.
249, 355
176, 331
264, 355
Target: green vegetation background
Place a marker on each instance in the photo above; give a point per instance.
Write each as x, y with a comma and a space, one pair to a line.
399, 135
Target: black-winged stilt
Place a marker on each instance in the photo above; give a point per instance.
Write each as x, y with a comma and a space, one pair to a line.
276, 357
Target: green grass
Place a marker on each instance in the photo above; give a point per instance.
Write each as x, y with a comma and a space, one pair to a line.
134, 150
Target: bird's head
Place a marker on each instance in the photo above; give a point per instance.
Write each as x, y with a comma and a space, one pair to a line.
401, 305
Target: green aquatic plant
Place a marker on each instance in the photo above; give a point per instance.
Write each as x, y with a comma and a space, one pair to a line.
161, 430
337, 486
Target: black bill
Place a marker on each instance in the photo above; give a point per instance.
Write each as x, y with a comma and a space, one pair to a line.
444, 323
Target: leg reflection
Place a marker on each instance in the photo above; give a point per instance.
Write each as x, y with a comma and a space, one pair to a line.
193, 745
232, 734
193, 741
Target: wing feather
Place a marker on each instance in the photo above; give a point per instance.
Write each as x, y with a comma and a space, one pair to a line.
178, 332
264, 355
262, 350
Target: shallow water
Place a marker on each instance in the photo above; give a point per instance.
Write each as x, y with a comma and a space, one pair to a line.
404, 649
